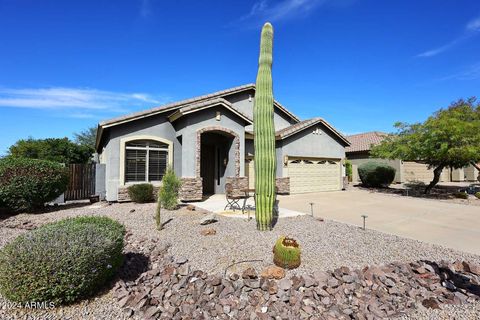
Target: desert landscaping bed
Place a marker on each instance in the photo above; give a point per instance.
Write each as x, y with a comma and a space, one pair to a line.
325, 246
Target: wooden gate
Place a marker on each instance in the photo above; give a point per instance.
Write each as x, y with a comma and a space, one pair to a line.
82, 181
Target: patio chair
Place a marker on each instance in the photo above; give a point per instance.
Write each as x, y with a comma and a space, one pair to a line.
233, 199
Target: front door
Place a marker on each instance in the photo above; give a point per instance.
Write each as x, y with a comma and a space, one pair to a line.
207, 168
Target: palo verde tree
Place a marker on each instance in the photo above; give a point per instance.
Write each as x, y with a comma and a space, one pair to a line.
450, 138
264, 131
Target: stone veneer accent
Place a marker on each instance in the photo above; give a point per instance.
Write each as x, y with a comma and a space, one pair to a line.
238, 184
283, 185
191, 189
198, 150
124, 197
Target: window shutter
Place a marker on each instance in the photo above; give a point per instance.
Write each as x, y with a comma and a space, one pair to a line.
135, 166
157, 164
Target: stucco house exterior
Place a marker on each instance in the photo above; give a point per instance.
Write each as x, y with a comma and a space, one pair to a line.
208, 140
406, 171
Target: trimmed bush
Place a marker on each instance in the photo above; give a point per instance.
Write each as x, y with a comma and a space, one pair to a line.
461, 195
477, 195
62, 262
169, 190
27, 184
348, 170
141, 193
376, 174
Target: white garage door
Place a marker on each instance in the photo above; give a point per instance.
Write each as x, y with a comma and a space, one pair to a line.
314, 175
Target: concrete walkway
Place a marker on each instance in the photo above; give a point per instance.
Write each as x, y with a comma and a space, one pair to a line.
452, 225
216, 203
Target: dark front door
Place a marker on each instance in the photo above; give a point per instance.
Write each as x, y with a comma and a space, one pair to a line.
207, 168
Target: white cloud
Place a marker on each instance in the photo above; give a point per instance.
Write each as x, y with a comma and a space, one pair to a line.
269, 10
75, 102
470, 73
474, 25
471, 29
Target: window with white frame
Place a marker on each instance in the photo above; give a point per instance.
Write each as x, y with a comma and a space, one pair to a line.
145, 160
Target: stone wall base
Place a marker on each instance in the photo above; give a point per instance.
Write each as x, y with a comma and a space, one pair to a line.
191, 189
238, 184
124, 197
283, 185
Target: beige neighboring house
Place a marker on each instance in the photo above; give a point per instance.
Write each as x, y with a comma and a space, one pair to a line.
406, 171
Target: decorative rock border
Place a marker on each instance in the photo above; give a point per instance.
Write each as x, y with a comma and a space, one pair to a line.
170, 290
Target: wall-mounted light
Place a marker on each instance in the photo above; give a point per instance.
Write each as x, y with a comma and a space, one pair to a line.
249, 98
218, 116
285, 160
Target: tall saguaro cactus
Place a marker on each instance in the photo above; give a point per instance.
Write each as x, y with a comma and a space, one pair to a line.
264, 130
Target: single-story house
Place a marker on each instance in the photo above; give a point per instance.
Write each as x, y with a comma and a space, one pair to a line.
208, 140
406, 171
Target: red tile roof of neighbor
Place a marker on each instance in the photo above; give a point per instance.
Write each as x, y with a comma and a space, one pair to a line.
364, 141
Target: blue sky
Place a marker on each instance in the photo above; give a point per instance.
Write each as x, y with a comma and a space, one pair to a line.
360, 64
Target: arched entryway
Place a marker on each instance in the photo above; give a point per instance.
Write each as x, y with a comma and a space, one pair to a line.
217, 157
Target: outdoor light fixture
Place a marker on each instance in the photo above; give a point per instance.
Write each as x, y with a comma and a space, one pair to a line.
285, 160
218, 116
364, 216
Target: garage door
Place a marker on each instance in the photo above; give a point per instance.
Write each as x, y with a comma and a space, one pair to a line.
415, 171
250, 173
314, 175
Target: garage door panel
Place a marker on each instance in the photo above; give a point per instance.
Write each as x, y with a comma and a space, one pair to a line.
314, 175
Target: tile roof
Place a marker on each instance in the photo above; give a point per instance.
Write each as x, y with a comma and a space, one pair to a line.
364, 141
297, 127
175, 105
206, 104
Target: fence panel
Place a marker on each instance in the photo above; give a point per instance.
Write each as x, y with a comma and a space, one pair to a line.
82, 181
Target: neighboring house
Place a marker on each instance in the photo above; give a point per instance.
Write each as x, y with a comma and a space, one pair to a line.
406, 171
208, 140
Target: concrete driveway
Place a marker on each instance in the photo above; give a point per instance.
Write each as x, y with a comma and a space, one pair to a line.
452, 225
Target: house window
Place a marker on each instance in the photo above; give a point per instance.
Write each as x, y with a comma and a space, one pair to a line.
145, 160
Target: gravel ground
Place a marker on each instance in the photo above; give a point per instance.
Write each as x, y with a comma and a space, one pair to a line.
469, 311
325, 245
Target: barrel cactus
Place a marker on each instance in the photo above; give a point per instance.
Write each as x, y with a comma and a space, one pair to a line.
286, 253
264, 130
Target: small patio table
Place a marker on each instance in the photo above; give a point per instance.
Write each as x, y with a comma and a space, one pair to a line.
248, 193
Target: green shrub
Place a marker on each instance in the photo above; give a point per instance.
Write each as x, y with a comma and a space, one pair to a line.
461, 195
477, 195
348, 170
141, 193
169, 190
158, 218
376, 174
27, 184
62, 262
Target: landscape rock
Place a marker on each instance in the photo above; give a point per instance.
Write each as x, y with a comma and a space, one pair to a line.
171, 290
273, 272
249, 273
208, 232
208, 219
